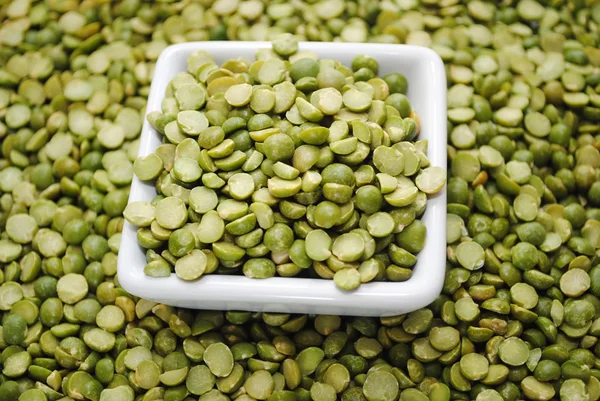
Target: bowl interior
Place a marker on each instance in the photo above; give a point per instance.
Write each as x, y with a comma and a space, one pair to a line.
427, 92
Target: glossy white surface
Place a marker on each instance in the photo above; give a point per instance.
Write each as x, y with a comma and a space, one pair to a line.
427, 93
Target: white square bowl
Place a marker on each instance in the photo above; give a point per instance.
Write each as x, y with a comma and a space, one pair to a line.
426, 77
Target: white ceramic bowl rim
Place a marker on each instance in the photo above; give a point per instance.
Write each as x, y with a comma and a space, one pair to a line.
427, 92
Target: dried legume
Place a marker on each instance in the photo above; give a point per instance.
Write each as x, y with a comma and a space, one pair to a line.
523, 88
